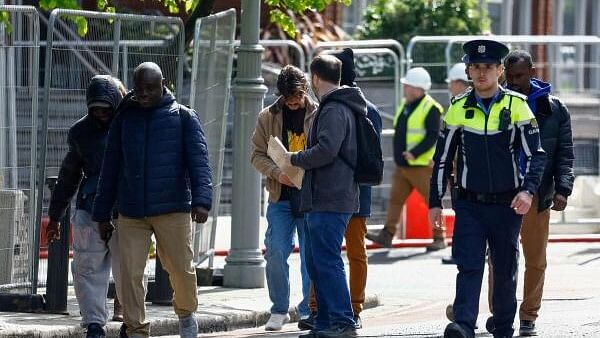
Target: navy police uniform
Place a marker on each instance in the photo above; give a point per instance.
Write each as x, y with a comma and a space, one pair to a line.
488, 140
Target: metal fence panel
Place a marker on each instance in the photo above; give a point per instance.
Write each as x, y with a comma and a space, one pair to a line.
19, 58
112, 44
214, 39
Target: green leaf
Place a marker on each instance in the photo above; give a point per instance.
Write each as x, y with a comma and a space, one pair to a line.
284, 21
5, 22
189, 4
82, 25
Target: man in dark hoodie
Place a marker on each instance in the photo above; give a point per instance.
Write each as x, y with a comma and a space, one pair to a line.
357, 226
556, 185
156, 167
79, 172
329, 193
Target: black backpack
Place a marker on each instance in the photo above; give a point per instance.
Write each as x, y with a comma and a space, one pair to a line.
369, 159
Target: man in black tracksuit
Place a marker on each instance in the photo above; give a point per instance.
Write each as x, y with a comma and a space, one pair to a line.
79, 172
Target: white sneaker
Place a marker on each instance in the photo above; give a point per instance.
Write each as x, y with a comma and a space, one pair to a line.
276, 321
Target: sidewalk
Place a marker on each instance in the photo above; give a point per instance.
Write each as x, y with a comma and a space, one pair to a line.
220, 309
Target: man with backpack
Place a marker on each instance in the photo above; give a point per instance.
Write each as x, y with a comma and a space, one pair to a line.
329, 193
416, 128
357, 226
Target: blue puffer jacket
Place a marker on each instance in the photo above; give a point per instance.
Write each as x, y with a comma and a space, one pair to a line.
156, 162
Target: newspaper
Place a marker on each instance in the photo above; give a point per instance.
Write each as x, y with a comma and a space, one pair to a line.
276, 152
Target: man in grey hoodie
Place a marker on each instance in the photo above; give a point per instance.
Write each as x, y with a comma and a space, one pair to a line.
329, 193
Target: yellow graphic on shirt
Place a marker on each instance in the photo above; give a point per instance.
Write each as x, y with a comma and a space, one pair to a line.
296, 142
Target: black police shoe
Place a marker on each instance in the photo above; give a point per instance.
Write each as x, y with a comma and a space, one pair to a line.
95, 330
309, 334
307, 323
527, 328
454, 330
490, 326
338, 332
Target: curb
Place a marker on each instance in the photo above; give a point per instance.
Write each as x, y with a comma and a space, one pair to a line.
421, 243
207, 323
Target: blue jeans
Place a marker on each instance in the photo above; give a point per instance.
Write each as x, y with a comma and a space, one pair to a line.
279, 241
498, 225
326, 269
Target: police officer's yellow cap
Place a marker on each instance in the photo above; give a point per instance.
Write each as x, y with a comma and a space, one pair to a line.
484, 51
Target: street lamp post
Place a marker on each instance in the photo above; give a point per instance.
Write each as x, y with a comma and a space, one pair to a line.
244, 266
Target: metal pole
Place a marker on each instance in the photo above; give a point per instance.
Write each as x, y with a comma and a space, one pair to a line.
580, 23
58, 263
162, 292
116, 39
244, 266
507, 17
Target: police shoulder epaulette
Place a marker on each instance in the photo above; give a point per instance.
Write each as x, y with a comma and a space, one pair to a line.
515, 94
461, 95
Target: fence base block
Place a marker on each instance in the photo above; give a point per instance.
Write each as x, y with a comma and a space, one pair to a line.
18, 302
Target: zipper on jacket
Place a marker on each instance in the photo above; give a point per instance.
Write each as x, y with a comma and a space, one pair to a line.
487, 150
147, 121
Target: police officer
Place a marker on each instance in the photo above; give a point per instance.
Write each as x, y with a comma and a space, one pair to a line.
489, 127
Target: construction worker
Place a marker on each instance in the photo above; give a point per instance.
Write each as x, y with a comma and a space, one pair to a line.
489, 127
416, 125
457, 80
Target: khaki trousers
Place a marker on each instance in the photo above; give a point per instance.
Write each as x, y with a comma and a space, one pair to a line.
534, 240
404, 181
173, 233
357, 259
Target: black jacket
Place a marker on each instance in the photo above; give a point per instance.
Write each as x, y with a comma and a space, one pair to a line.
557, 140
86, 139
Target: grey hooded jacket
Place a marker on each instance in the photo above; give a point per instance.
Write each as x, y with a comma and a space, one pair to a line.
328, 184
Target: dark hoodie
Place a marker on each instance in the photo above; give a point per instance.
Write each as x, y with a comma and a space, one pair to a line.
86, 139
556, 140
328, 184
348, 77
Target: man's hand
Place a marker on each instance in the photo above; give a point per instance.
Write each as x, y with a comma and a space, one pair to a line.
559, 203
285, 180
408, 156
105, 229
288, 158
199, 214
435, 218
53, 231
522, 202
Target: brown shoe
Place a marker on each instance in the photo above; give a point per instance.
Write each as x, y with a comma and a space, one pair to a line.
118, 311
381, 237
437, 244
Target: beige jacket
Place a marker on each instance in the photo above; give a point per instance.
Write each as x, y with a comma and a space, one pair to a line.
270, 122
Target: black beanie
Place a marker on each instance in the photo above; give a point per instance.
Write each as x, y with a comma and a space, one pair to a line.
348, 74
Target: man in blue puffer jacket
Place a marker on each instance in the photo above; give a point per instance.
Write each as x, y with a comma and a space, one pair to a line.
156, 167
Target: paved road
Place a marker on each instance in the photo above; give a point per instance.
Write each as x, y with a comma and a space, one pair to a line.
415, 288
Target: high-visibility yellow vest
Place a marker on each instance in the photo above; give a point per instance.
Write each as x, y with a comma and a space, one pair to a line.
415, 127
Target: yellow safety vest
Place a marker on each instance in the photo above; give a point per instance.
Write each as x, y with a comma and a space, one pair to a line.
415, 127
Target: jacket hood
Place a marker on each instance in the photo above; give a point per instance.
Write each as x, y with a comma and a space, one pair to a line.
103, 88
167, 99
277, 106
539, 88
352, 97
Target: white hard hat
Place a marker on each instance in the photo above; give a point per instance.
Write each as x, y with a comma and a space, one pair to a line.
457, 72
417, 77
